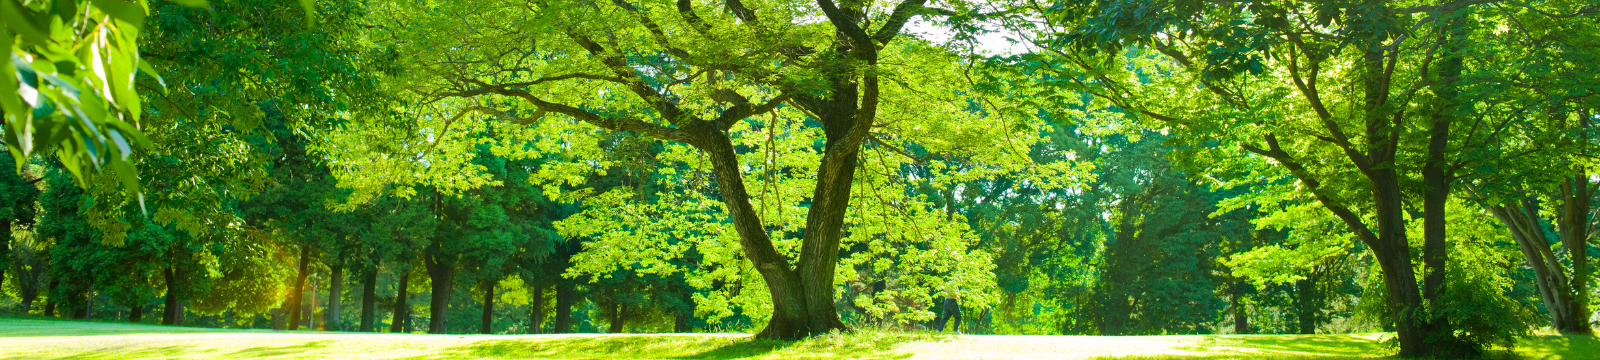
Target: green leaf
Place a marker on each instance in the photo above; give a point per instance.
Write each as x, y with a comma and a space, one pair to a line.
129, 12
193, 3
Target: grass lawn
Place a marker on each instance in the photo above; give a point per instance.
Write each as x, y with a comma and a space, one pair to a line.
58, 339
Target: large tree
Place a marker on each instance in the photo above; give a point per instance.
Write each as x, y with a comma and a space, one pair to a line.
687, 73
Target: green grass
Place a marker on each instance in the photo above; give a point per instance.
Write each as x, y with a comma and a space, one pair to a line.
59, 339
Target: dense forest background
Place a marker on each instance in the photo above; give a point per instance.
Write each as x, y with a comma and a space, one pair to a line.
792, 168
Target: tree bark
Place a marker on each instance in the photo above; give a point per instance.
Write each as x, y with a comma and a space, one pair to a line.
1575, 232
789, 312
402, 308
50, 302
298, 291
536, 309
369, 295
5, 251
330, 315
564, 298
617, 317
1305, 304
488, 309
171, 313
442, 274
1241, 318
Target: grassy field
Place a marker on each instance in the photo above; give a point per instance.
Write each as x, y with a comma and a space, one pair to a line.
56, 339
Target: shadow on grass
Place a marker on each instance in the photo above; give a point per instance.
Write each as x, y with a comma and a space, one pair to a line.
681, 347
14, 326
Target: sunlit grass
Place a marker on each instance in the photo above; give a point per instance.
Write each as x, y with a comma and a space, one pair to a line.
59, 339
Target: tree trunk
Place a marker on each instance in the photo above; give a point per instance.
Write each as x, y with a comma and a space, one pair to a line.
369, 295
790, 319
536, 309
1575, 232
50, 302
488, 309
170, 312
1305, 304
135, 313
442, 275
564, 297
298, 291
616, 317
5, 252
402, 307
1241, 318
330, 315
680, 322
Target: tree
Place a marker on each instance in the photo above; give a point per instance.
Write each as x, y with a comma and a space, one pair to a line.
1403, 61
702, 75
17, 197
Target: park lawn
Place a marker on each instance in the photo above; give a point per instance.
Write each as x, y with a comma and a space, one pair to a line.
59, 339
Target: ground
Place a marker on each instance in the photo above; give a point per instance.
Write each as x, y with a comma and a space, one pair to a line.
58, 339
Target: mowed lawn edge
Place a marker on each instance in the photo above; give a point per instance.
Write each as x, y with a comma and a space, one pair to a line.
35, 338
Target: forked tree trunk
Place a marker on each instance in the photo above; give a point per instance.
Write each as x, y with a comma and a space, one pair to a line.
402, 306
1565, 297
330, 314
298, 291
369, 298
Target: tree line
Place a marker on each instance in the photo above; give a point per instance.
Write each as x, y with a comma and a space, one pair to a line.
795, 168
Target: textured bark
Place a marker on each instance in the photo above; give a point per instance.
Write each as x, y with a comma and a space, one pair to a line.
488, 309
789, 312
298, 291
564, 299
369, 297
443, 274
402, 306
1575, 232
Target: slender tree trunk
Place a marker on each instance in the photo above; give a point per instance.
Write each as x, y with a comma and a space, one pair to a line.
330, 315
296, 293
5, 251
1241, 318
369, 298
536, 309
135, 313
564, 299
488, 309
617, 317
402, 307
442, 275
1575, 233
